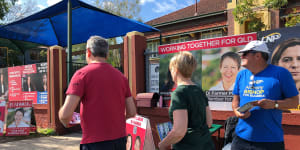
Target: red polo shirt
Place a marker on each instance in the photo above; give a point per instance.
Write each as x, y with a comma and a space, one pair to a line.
103, 90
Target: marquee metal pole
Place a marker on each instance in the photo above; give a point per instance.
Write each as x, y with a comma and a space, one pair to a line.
69, 56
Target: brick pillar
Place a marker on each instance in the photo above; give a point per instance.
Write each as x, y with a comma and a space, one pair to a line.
275, 19
230, 23
57, 85
134, 61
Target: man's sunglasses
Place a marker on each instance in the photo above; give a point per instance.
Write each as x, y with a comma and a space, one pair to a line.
247, 52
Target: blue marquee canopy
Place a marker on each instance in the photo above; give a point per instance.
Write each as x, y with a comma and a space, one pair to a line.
49, 26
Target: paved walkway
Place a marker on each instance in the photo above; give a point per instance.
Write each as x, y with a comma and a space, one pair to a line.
66, 142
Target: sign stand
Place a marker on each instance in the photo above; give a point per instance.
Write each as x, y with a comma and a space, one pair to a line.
139, 133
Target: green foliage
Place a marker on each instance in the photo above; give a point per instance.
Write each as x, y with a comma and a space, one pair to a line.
211, 74
114, 58
256, 25
275, 4
244, 12
79, 47
43, 55
46, 131
197, 75
13, 58
4, 7
19, 11
125, 8
292, 19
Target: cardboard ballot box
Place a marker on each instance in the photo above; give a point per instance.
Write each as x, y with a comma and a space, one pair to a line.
147, 99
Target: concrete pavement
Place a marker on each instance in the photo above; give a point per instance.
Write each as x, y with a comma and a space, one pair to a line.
65, 142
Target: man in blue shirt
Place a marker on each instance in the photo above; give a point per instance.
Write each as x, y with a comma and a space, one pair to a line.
270, 89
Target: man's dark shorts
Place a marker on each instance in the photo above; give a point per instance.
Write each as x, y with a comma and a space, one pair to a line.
118, 144
241, 144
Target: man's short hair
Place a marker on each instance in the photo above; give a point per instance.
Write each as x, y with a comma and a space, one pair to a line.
98, 46
265, 56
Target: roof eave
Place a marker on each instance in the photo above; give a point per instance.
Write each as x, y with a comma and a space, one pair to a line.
185, 33
190, 18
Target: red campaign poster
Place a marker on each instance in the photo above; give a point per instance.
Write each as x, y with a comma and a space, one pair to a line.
30, 96
136, 131
18, 118
2, 116
28, 82
29, 87
29, 69
15, 83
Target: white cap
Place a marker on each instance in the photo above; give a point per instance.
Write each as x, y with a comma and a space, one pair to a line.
258, 46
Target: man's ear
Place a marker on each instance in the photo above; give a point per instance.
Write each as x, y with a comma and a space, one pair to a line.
89, 53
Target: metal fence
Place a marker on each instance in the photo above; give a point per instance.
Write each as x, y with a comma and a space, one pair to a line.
77, 66
148, 55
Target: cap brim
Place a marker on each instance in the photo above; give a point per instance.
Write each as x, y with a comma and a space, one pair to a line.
243, 50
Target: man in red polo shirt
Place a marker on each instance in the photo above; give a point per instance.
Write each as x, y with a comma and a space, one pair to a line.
105, 99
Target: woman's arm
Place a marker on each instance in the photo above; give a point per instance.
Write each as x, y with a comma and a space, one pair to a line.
180, 119
209, 119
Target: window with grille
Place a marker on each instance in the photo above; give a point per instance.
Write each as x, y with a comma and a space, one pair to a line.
208, 35
179, 40
153, 47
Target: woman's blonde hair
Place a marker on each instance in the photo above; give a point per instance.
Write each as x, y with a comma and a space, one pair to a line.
185, 63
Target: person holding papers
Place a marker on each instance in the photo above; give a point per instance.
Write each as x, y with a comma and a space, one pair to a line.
270, 89
189, 111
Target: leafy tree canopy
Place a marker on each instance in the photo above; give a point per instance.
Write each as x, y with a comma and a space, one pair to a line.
4, 7
125, 8
244, 12
292, 19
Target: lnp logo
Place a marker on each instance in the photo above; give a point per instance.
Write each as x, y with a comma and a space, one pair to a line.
271, 37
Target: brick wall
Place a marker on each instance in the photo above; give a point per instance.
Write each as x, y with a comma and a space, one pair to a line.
42, 118
230, 22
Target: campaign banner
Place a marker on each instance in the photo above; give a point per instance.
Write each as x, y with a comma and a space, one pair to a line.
227, 41
284, 45
28, 82
220, 67
139, 134
18, 118
2, 116
216, 70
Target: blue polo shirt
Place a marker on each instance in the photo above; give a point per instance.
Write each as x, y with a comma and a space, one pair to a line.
274, 83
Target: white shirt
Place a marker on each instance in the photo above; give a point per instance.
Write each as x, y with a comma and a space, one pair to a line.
21, 124
219, 86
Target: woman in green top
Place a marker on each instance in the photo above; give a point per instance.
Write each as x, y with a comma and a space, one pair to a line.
189, 109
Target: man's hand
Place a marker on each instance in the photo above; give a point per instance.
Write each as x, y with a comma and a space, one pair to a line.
242, 115
66, 111
265, 104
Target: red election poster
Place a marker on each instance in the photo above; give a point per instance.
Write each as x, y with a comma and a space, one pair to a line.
28, 86
15, 83
139, 134
18, 118
2, 116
